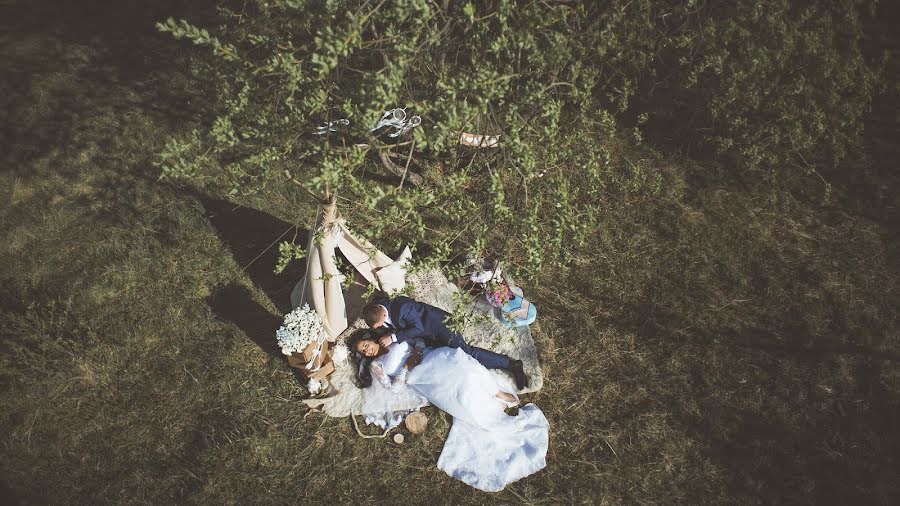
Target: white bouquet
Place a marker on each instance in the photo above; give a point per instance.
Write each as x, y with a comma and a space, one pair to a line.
301, 327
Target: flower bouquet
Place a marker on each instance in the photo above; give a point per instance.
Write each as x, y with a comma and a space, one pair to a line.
302, 339
301, 327
497, 292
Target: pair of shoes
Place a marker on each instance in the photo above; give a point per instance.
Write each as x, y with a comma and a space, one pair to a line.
518, 373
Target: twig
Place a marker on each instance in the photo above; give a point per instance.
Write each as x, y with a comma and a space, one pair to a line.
406, 168
367, 436
728, 304
526, 501
609, 445
298, 183
414, 179
554, 85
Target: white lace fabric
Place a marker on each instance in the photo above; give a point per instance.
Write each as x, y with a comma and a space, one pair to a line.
388, 400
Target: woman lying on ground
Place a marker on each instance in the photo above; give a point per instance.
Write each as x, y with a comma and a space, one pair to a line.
486, 447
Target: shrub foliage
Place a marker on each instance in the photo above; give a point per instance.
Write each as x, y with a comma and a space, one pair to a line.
766, 84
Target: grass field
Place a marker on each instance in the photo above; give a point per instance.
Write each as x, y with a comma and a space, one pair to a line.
721, 342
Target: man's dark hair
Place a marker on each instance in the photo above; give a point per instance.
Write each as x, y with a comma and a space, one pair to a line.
372, 313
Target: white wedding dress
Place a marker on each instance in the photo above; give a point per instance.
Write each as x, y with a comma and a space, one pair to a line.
486, 448
387, 400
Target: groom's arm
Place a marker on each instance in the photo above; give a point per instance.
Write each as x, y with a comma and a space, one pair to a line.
409, 329
410, 325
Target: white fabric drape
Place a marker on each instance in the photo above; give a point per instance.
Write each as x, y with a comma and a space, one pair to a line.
321, 286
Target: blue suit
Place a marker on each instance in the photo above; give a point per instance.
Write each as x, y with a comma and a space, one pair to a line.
414, 320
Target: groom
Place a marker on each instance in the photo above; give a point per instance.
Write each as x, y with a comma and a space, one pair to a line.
410, 320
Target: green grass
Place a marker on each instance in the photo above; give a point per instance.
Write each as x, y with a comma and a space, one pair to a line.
719, 342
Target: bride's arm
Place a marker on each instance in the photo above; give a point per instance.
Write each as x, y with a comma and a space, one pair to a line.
379, 374
414, 358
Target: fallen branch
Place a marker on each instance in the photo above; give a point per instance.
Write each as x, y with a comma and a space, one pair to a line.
395, 169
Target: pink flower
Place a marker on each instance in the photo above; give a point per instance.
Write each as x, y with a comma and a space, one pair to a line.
497, 293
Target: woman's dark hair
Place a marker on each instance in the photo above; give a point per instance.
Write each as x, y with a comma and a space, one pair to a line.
362, 376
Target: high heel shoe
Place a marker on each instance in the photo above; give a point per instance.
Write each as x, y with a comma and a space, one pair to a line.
518, 373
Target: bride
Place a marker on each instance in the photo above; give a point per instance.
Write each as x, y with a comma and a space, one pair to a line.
486, 447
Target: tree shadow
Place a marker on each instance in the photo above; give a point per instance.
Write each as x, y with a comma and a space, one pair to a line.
124, 29
234, 303
8, 497
253, 237
839, 449
793, 340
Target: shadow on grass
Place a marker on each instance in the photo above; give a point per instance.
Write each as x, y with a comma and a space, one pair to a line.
773, 463
6, 495
793, 340
234, 304
80, 60
253, 237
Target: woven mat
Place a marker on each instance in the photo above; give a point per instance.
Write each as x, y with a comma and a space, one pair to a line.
433, 288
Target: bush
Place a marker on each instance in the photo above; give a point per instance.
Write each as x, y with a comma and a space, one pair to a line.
761, 83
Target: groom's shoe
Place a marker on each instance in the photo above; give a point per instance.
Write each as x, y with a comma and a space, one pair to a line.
515, 367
